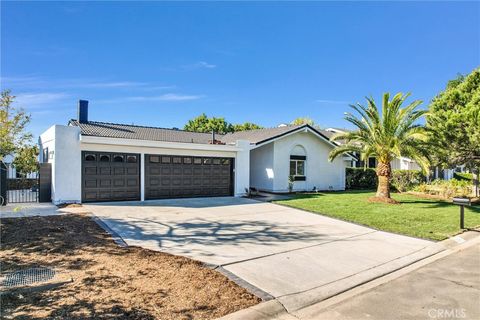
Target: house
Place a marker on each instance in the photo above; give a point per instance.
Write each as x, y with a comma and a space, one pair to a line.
12, 171
400, 163
97, 161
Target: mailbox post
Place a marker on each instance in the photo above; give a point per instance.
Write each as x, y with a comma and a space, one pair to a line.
462, 202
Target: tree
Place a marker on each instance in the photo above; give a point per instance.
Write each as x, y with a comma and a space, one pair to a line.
202, 123
13, 122
303, 120
454, 123
245, 126
393, 133
25, 161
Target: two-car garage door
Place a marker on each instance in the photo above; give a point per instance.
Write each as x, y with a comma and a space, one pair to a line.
170, 176
110, 176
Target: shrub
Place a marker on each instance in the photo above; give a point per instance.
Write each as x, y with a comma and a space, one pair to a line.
463, 176
446, 188
359, 178
403, 180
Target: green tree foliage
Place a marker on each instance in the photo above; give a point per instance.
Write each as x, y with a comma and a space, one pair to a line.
13, 122
393, 132
203, 123
454, 122
25, 160
303, 120
245, 126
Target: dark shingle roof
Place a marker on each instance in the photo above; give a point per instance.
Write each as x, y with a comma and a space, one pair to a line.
125, 131
258, 135
263, 135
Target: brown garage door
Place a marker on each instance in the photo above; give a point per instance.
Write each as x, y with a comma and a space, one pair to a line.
168, 176
110, 176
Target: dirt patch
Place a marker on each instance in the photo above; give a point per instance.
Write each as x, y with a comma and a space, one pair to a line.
109, 281
69, 205
383, 200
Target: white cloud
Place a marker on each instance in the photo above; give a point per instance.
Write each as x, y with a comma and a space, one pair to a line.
29, 100
172, 97
73, 83
200, 65
166, 97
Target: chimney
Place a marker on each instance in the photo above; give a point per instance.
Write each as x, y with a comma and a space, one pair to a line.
83, 111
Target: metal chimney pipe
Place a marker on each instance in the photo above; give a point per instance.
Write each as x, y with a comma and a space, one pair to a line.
82, 111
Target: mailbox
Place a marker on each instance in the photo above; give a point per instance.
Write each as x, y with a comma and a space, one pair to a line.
462, 202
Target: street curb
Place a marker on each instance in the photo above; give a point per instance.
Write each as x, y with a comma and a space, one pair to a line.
266, 310
244, 284
115, 236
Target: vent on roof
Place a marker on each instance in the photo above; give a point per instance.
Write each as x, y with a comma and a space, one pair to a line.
83, 111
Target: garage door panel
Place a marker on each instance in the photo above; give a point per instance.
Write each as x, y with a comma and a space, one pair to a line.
132, 170
118, 171
90, 170
153, 170
105, 183
110, 176
104, 171
170, 176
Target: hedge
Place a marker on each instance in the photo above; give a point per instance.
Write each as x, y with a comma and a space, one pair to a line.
359, 178
402, 180
463, 176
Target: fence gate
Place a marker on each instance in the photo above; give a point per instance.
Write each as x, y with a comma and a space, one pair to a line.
3, 184
21, 188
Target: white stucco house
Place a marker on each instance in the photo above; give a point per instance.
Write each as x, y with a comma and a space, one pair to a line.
99, 161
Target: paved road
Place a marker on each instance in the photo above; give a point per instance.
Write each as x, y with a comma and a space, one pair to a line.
448, 288
294, 256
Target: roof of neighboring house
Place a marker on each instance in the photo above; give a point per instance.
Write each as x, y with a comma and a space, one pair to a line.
266, 134
125, 131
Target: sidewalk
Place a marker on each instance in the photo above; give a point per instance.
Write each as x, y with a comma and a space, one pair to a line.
448, 288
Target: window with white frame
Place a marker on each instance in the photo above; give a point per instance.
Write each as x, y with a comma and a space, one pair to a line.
297, 167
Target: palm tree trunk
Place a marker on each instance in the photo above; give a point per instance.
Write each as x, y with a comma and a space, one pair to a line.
384, 172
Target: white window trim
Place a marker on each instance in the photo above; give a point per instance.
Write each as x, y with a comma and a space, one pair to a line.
296, 168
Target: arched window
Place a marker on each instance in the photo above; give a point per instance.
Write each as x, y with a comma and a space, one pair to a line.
118, 158
90, 157
298, 158
104, 158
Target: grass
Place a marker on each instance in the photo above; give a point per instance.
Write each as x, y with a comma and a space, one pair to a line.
414, 216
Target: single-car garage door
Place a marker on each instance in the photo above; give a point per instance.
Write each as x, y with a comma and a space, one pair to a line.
169, 176
110, 176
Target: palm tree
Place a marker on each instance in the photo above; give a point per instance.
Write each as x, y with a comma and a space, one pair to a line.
393, 133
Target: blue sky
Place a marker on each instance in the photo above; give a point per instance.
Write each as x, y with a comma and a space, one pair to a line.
160, 64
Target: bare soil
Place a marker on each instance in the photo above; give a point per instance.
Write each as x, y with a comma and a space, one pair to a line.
383, 200
108, 281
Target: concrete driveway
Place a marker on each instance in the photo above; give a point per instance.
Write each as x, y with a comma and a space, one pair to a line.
296, 257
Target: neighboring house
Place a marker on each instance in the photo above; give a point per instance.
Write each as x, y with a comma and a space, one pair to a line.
12, 172
97, 161
402, 163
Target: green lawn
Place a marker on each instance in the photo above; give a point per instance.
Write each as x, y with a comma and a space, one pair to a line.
418, 217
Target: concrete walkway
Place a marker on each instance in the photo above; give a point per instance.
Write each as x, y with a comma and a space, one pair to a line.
296, 257
16, 210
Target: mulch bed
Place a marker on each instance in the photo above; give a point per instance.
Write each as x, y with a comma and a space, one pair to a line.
108, 281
